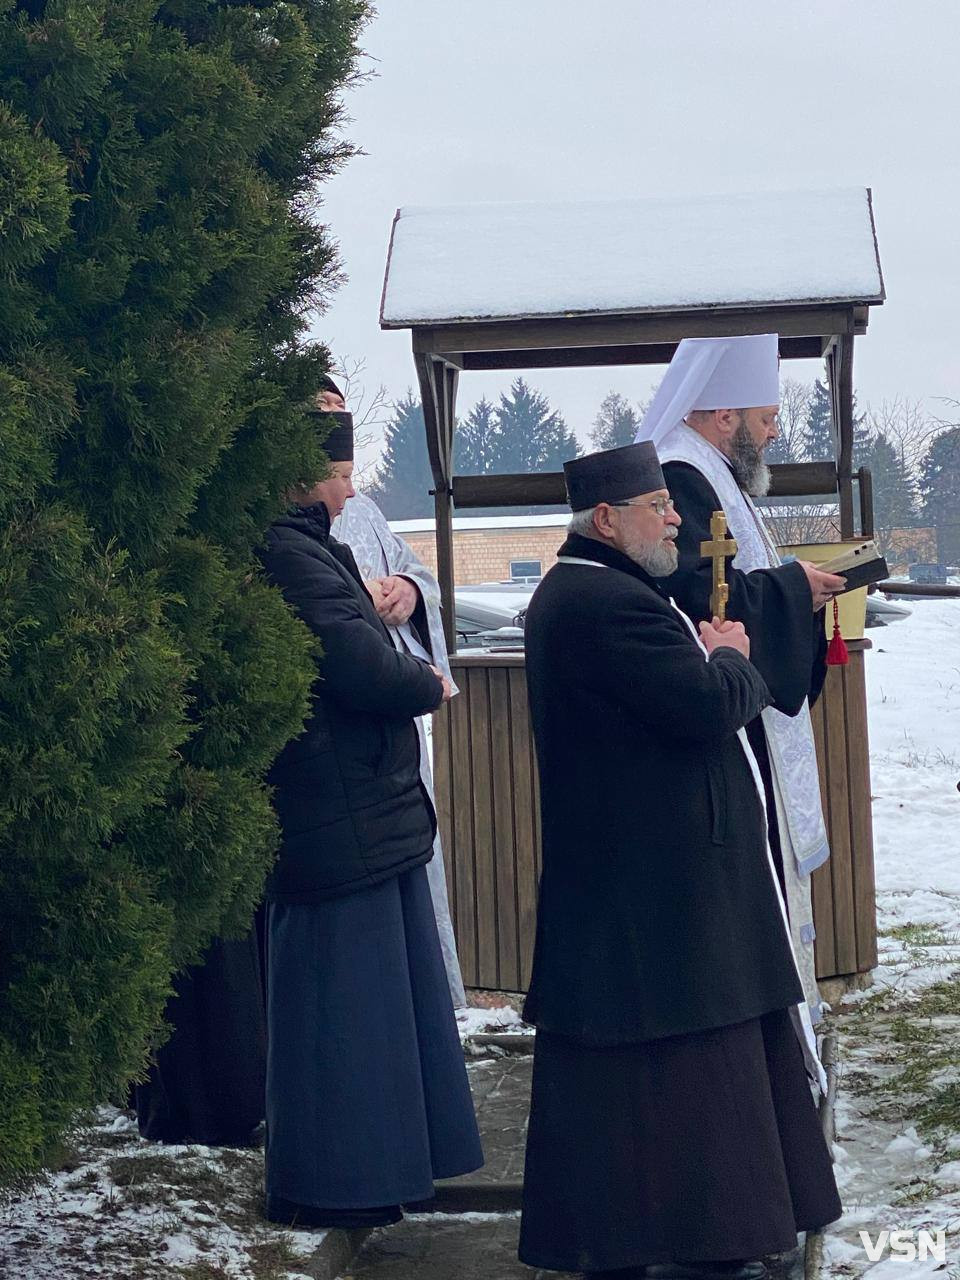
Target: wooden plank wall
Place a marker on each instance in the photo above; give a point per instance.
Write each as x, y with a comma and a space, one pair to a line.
844, 888
490, 821
488, 809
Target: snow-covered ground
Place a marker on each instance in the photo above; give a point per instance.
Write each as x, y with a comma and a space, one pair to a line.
891, 1176
131, 1210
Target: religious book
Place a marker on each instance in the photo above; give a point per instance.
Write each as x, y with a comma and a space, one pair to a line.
860, 564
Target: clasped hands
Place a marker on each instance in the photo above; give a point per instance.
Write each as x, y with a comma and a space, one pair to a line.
732, 635
394, 598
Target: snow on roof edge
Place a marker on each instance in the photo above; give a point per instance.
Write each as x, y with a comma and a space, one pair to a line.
493, 262
746, 305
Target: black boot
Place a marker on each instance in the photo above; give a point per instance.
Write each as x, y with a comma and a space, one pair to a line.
290, 1214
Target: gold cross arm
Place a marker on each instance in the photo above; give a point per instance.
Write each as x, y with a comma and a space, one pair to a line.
717, 549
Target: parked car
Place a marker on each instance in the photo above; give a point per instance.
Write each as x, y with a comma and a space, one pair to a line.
490, 615
881, 612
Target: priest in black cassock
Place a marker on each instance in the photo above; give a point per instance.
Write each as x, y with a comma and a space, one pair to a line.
672, 1129
367, 1093
711, 418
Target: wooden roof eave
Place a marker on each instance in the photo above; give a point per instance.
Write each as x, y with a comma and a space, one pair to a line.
471, 344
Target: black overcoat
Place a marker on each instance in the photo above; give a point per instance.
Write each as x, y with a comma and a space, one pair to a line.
658, 914
353, 809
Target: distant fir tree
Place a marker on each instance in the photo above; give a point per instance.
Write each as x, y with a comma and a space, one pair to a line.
940, 491
533, 437
401, 487
818, 441
616, 423
863, 439
894, 492
477, 441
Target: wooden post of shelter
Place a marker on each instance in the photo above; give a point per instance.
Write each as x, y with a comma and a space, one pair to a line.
507, 287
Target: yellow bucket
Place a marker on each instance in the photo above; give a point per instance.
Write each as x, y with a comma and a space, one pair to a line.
852, 605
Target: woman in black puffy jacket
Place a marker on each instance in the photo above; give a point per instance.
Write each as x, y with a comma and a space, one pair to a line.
367, 1093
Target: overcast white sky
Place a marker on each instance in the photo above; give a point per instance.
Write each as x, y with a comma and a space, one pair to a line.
551, 99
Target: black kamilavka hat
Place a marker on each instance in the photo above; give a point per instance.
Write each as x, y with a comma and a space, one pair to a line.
338, 444
612, 475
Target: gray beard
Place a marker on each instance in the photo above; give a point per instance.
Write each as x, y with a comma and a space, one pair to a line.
749, 469
658, 559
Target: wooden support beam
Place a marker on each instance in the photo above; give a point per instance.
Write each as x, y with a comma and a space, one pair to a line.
802, 479
544, 488
638, 329
865, 487
438, 395
803, 348
934, 590
840, 377
788, 479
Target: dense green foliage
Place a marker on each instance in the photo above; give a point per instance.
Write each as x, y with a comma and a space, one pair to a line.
159, 258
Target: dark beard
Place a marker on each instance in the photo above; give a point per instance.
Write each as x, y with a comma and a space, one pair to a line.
750, 471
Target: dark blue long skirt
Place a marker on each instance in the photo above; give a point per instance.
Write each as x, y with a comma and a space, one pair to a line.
367, 1093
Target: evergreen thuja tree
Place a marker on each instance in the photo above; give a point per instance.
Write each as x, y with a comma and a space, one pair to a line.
158, 264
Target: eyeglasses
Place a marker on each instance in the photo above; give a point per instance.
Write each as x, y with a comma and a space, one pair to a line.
662, 506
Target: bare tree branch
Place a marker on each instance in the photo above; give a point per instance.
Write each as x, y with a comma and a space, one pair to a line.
371, 412
803, 523
907, 426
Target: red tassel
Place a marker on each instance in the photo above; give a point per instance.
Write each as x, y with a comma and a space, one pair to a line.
837, 655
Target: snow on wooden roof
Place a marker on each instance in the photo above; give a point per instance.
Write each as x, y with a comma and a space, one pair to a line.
524, 261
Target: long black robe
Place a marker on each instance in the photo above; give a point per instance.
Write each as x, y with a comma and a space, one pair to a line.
787, 639
654, 853
670, 1116
206, 1082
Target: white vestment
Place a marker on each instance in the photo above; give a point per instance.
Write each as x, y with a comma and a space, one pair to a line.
379, 552
790, 744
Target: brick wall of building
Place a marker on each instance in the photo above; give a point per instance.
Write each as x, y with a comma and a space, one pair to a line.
484, 555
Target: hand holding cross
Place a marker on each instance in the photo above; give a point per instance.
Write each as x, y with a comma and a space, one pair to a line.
717, 549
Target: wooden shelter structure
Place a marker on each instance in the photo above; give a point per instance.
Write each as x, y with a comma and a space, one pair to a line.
521, 286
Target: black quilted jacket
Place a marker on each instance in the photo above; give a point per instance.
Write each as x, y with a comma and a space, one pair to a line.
352, 808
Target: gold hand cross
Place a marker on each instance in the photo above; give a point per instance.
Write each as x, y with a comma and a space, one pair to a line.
717, 549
